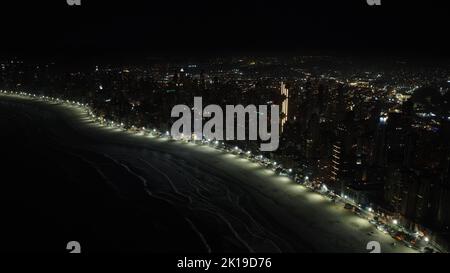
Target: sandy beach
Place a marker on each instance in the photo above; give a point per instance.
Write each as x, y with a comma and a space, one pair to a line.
142, 193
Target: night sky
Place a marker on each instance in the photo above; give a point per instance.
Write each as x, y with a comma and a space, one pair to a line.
135, 28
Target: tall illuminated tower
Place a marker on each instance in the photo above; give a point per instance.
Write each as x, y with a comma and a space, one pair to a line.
285, 105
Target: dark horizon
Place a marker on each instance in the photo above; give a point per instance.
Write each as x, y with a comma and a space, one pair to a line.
125, 30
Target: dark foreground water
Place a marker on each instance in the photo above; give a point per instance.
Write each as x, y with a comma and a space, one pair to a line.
51, 194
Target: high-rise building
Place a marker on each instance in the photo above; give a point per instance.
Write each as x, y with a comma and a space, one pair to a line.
284, 105
339, 163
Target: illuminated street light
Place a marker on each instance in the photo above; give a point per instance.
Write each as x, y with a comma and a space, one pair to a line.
395, 221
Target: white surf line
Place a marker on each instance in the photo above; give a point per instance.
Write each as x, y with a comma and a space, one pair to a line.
252, 220
176, 195
217, 213
262, 229
255, 224
156, 196
198, 186
161, 173
93, 165
143, 180
258, 227
172, 185
258, 234
194, 228
197, 189
147, 190
202, 238
190, 206
230, 226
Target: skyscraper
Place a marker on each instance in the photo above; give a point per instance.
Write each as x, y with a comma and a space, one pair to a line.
285, 105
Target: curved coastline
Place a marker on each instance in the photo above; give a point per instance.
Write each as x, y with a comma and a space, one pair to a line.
254, 209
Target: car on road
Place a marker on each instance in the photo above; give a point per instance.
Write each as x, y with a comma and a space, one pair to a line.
348, 206
428, 250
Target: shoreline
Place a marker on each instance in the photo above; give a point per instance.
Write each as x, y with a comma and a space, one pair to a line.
321, 225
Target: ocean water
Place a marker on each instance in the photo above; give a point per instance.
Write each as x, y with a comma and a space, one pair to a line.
59, 185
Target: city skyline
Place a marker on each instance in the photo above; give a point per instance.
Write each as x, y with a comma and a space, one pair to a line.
226, 127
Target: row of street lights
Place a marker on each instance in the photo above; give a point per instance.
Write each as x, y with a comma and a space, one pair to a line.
269, 164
